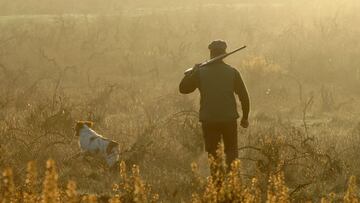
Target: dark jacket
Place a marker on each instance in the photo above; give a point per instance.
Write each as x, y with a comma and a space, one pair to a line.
217, 83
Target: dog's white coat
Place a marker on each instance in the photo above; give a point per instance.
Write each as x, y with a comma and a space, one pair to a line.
94, 143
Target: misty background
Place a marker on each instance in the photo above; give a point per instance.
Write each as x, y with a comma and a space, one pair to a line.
119, 63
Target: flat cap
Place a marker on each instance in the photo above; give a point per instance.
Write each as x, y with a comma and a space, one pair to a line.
217, 44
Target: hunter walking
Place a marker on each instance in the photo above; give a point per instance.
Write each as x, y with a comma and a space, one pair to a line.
218, 83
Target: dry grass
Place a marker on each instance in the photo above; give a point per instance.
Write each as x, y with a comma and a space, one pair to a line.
221, 186
122, 72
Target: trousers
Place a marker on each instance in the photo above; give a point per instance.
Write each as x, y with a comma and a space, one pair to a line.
214, 132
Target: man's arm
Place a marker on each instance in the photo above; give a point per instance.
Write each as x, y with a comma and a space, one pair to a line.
190, 82
241, 91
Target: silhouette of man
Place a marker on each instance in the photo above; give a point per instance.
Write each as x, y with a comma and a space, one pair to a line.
217, 83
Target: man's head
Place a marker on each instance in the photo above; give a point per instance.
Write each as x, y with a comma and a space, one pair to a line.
217, 48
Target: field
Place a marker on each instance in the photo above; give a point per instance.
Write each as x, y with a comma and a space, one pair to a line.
121, 69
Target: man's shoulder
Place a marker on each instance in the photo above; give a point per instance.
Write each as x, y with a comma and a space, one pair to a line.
231, 68
223, 66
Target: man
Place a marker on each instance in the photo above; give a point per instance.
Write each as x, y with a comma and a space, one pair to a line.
217, 83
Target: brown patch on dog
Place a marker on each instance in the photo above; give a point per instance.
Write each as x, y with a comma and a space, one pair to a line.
111, 146
80, 124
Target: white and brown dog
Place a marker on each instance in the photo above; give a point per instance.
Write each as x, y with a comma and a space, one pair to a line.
93, 143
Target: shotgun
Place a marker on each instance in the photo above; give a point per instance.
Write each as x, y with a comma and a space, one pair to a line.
188, 71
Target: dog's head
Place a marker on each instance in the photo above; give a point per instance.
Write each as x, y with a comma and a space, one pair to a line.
80, 124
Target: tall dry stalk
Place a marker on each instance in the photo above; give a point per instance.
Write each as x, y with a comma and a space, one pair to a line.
351, 195
50, 192
71, 194
277, 190
30, 183
8, 190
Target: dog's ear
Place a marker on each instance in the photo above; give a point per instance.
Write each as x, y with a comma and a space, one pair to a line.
89, 123
78, 126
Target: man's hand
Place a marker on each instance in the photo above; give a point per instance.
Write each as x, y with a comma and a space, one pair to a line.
196, 67
192, 70
244, 123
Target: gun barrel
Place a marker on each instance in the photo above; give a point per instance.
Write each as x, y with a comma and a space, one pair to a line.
221, 56
215, 59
